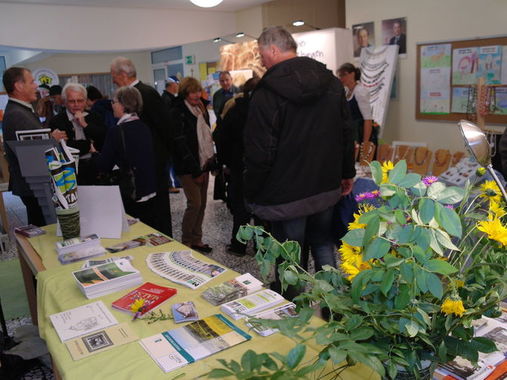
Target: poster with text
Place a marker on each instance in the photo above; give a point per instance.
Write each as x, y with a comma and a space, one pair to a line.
460, 99
394, 32
363, 36
435, 79
465, 62
490, 63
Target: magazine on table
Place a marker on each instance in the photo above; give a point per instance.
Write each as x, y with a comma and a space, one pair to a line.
183, 268
82, 320
252, 304
176, 348
152, 294
29, 230
150, 240
232, 289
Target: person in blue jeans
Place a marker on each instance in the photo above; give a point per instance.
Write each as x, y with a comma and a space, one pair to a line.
299, 148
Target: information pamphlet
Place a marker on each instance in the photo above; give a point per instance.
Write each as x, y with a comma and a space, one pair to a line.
252, 304
82, 320
94, 263
176, 348
281, 312
152, 294
183, 268
74, 244
184, 312
151, 240
232, 289
100, 341
29, 230
81, 254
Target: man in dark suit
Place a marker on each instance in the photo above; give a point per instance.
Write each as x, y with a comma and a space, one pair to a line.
170, 92
82, 128
399, 38
156, 116
19, 115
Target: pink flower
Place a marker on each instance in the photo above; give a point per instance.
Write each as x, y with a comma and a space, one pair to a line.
449, 206
429, 180
368, 195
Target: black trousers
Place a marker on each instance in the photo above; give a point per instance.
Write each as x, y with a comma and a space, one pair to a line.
145, 211
162, 218
33, 211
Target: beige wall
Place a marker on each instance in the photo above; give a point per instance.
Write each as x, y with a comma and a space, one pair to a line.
428, 20
249, 21
94, 63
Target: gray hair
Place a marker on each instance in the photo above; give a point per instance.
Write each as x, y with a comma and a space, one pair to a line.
278, 36
123, 65
130, 98
73, 87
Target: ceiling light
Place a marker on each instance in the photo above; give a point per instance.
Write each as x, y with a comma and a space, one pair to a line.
298, 23
218, 39
206, 3
240, 34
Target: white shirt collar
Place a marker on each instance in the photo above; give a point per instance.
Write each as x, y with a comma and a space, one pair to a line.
22, 102
134, 83
69, 115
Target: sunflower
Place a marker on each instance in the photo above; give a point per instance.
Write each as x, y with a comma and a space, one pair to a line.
352, 260
387, 166
496, 209
494, 229
363, 209
490, 191
452, 306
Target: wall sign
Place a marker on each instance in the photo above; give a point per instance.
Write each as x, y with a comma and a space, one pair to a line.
45, 76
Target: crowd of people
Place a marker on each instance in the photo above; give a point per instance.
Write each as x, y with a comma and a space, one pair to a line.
284, 144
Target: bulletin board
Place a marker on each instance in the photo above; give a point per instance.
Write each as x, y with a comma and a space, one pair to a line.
447, 77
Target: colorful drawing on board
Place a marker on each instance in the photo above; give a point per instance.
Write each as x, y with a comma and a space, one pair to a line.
501, 101
435, 56
504, 65
435, 79
460, 99
465, 63
490, 63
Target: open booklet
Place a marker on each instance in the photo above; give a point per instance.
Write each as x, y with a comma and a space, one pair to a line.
176, 348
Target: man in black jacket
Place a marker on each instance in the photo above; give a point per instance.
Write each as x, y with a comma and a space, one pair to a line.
298, 146
156, 116
19, 115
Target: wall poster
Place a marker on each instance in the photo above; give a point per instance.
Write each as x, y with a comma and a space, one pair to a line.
363, 36
435, 74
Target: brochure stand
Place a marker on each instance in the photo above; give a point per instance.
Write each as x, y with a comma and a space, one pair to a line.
32, 162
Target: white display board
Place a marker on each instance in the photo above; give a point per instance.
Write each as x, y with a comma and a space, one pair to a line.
332, 46
378, 66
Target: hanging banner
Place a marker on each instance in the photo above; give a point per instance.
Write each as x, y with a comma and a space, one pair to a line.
378, 66
45, 76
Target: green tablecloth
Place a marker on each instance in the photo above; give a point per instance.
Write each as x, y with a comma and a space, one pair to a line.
57, 291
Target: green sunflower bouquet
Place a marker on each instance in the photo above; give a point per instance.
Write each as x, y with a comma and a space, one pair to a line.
421, 261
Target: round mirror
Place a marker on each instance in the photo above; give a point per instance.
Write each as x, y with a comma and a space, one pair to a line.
476, 142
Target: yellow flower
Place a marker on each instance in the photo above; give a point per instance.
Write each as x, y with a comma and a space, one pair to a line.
494, 229
352, 260
490, 191
364, 208
496, 209
138, 303
459, 283
451, 306
387, 166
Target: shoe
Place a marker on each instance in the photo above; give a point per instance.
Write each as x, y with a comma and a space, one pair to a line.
174, 190
205, 248
235, 250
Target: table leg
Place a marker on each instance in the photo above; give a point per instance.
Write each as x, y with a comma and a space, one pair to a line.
3, 214
30, 289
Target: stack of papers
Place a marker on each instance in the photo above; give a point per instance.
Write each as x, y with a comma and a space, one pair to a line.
232, 289
252, 304
107, 278
76, 249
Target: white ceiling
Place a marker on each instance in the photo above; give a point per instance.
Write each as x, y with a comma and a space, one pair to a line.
225, 6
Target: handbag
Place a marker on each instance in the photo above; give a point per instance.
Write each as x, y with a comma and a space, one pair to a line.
126, 177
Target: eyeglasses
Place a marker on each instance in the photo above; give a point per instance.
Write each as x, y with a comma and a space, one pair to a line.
75, 101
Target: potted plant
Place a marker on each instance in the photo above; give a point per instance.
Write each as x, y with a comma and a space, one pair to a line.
420, 263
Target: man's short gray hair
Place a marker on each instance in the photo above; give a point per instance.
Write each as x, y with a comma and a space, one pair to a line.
278, 36
123, 65
73, 87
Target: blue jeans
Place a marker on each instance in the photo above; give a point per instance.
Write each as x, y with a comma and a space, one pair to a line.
314, 233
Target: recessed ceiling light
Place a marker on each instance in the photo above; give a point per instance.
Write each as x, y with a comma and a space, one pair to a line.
218, 39
240, 34
206, 3
298, 23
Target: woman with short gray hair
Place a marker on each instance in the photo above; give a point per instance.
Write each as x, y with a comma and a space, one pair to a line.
129, 145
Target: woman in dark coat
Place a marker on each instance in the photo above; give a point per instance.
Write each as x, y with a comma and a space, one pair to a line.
129, 145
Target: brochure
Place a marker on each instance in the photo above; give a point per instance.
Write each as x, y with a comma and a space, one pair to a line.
81, 254
176, 348
74, 244
183, 268
281, 312
29, 230
152, 294
94, 263
184, 312
82, 320
252, 304
151, 240
100, 341
232, 289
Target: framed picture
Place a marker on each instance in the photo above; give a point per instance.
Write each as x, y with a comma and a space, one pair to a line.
394, 32
363, 36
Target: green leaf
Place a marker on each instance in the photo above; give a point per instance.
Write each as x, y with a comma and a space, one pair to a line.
362, 334
353, 322
412, 328
435, 189
399, 172
434, 244
218, 373
400, 217
269, 363
337, 355
485, 345
295, 356
426, 210
376, 172
403, 297
371, 230
324, 286
419, 189
440, 266
442, 352
449, 220
387, 282
248, 360
445, 240
291, 251
245, 233
410, 180
434, 285
290, 277
451, 195
377, 249
354, 237
358, 283
422, 237
406, 272
387, 190
420, 278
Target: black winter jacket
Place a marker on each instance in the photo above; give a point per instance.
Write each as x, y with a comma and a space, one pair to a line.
298, 141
